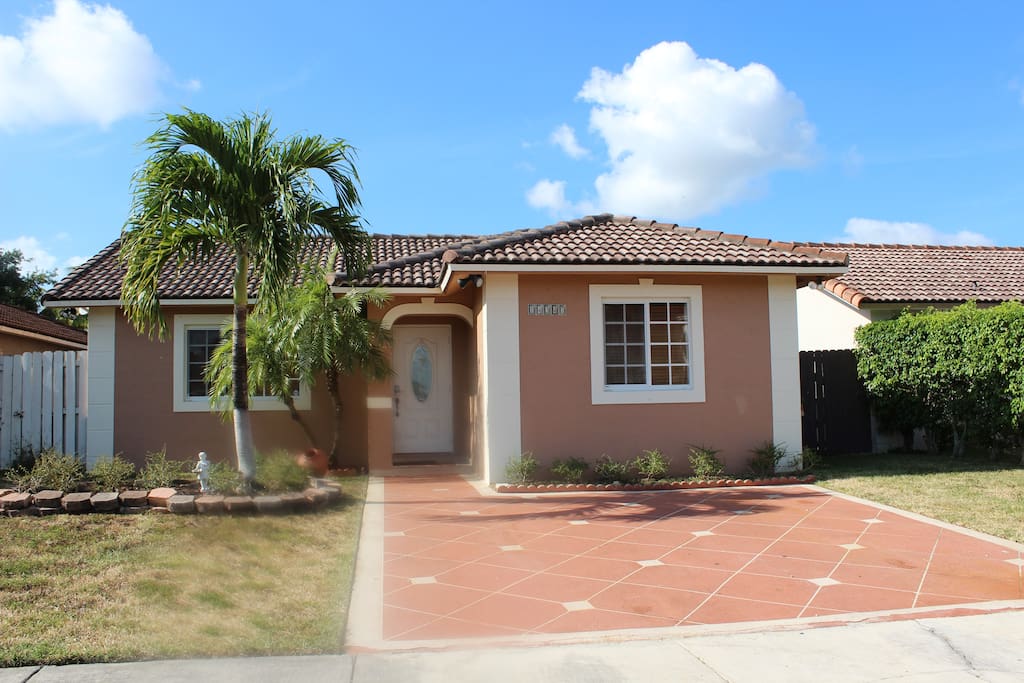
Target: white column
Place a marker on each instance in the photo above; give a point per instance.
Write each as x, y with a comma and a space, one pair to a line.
785, 367
100, 425
499, 369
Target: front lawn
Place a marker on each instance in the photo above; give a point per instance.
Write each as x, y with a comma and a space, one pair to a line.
979, 494
97, 588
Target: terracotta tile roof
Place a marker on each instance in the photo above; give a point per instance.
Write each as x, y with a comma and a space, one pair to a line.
608, 240
898, 273
11, 316
420, 260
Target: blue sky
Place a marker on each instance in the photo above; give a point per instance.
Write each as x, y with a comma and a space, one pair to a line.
899, 122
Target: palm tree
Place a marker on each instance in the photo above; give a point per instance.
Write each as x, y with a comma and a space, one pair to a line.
311, 334
210, 185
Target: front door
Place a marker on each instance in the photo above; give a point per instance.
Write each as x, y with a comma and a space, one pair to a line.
422, 388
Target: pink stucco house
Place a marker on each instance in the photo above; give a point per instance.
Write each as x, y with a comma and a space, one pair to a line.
604, 335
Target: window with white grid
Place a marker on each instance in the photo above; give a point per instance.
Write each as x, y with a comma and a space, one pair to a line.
646, 344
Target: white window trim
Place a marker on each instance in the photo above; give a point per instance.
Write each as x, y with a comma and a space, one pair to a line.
602, 394
194, 404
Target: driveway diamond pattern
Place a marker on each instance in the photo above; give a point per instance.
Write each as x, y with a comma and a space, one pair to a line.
458, 564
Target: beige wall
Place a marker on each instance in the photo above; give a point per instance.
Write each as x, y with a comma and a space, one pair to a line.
11, 344
558, 419
144, 419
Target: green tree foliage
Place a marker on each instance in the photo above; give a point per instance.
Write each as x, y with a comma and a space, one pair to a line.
957, 373
210, 185
23, 291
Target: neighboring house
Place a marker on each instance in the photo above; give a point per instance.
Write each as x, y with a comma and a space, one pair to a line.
884, 279
605, 335
22, 331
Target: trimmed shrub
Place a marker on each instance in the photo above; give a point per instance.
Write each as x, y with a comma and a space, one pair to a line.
571, 471
610, 471
53, 470
652, 465
224, 478
112, 474
279, 471
766, 458
521, 470
705, 463
159, 471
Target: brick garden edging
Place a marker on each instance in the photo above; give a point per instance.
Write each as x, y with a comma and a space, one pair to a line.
660, 486
320, 494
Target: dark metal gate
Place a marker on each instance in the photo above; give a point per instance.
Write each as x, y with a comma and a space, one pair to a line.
836, 414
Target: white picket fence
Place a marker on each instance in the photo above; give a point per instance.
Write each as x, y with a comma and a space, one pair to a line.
42, 403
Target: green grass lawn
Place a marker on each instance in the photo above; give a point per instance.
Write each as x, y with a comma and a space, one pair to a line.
979, 494
97, 588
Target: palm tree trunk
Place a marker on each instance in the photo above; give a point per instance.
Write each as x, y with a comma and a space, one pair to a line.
332, 388
240, 376
290, 402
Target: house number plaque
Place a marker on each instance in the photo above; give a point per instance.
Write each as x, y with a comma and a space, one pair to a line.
545, 309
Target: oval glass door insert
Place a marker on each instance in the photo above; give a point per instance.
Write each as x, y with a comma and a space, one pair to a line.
422, 371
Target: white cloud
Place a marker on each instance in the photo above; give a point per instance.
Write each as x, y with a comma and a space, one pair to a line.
549, 195
82, 63
687, 135
37, 257
896, 232
565, 137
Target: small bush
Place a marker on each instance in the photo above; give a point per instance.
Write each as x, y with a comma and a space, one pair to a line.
224, 478
112, 474
159, 471
521, 470
279, 471
705, 463
651, 465
809, 459
610, 471
571, 470
766, 458
56, 471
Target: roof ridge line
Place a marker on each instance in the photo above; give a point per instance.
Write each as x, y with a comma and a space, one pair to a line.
897, 245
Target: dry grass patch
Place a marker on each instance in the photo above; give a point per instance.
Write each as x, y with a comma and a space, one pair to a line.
100, 588
979, 494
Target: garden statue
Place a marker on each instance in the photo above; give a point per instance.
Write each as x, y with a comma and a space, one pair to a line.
202, 468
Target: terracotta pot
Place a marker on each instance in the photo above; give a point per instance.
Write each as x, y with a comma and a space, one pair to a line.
314, 460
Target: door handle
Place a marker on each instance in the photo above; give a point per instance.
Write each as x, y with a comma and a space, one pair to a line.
397, 391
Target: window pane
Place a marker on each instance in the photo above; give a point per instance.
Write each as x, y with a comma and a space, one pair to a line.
659, 311
659, 333
615, 375
634, 312
614, 354
196, 388
677, 312
659, 353
681, 375
659, 375
635, 355
614, 333
613, 312
635, 334
680, 355
677, 333
636, 375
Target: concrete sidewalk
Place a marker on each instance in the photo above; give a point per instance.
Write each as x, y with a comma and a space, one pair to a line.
988, 647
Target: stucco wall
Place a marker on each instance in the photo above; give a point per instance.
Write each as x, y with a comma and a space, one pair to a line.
558, 419
11, 344
144, 419
825, 322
